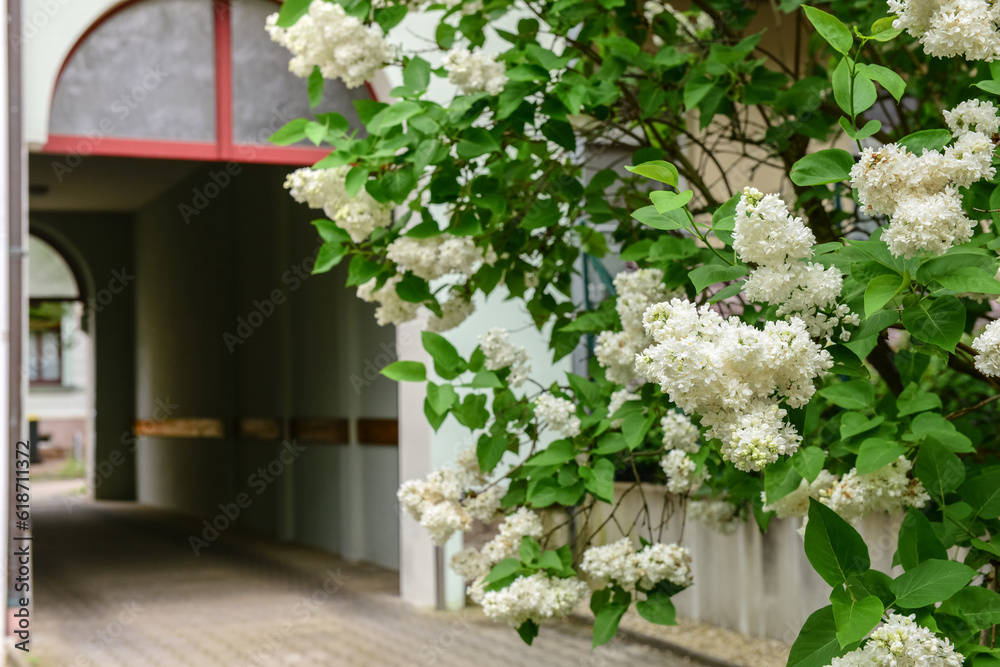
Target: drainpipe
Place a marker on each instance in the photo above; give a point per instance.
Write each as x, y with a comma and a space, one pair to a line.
17, 223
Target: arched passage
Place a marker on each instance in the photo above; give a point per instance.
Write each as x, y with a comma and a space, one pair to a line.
235, 378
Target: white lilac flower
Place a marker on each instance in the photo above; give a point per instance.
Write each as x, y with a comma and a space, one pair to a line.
326, 189
900, 642
920, 193
948, 28
558, 413
973, 116
716, 514
796, 503
454, 311
987, 345
485, 505
679, 432
615, 351
436, 501
520, 524
767, 235
436, 256
501, 353
340, 45
889, 489
682, 477
618, 399
475, 72
621, 563
733, 375
535, 598
765, 232
391, 309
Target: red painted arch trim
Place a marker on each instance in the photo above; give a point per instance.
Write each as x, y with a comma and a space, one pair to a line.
182, 150
223, 149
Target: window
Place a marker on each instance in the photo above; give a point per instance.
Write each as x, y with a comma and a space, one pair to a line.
45, 356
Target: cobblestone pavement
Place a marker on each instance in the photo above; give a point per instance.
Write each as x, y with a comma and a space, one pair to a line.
117, 585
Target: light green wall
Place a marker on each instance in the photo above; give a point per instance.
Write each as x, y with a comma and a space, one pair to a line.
306, 356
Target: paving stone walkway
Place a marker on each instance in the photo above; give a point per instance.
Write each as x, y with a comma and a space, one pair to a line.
118, 586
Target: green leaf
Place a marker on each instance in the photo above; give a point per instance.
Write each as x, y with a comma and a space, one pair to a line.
489, 451
441, 397
914, 400
657, 608
923, 140
876, 453
315, 87
472, 411
855, 618
808, 462
983, 493
557, 453
635, 427
917, 541
405, 371
939, 322
329, 256
817, 644
939, 469
833, 546
606, 622
392, 116
485, 379
891, 81
529, 550
417, 74
853, 423
780, 479
969, 279
600, 480
880, 291
830, 165
476, 141
931, 581
502, 570
711, 274
675, 219
291, 11
446, 357
977, 606
389, 17
292, 132
529, 629
414, 289
990, 86
658, 170
853, 395
875, 324
883, 31
830, 28
665, 201
355, 180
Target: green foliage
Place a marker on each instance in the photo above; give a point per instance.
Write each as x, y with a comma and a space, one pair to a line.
520, 176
